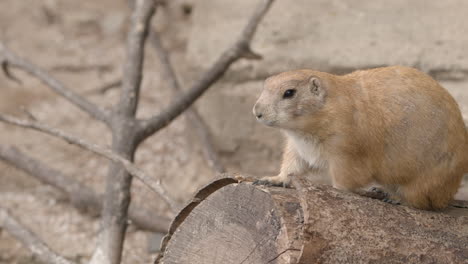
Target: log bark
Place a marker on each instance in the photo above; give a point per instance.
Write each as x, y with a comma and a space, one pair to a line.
230, 222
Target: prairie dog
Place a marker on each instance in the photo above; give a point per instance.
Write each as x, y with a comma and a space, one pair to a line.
394, 126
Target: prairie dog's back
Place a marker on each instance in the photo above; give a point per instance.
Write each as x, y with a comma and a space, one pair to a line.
416, 122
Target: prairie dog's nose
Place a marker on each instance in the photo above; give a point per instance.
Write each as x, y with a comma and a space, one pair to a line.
256, 112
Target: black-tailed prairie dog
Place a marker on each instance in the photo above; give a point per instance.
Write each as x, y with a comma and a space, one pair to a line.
394, 126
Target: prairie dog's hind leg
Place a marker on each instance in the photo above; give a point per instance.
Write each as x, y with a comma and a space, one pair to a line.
386, 194
347, 175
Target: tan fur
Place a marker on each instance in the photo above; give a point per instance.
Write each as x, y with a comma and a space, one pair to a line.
394, 126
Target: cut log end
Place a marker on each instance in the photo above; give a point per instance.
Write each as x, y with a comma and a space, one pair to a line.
230, 222
239, 223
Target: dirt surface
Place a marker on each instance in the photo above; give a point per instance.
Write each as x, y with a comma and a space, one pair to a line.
82, 44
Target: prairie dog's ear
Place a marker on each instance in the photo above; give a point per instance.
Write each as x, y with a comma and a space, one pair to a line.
315, 86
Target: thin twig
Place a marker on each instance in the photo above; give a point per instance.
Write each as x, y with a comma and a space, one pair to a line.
193, 116
154, 185
168, 69
82, 68
133, 65
281, 253
40, 249
9, 59
28, 113
103, 88
240, 49
81, 196
208, 148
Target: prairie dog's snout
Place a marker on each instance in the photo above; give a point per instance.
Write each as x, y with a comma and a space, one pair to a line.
257, 111
263, 111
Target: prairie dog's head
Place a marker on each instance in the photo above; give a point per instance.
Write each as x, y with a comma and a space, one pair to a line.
289, 99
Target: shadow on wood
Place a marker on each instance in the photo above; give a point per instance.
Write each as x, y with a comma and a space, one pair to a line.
234, 223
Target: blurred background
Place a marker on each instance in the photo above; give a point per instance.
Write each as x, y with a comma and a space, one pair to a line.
82, 44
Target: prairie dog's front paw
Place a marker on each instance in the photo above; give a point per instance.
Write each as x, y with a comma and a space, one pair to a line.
279, 181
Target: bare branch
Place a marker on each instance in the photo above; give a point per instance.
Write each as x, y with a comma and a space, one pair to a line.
82, 68
28, 113
154, 185
132, 71
118, 181
81, 196
168, 69
9, 59
240, 49
29, 239
6, 70
144, 220
103, 88
209, 150
193, 116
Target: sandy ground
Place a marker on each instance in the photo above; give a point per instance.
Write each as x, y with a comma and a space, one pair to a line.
82, 44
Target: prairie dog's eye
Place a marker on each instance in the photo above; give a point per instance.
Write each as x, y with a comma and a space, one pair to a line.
289, 93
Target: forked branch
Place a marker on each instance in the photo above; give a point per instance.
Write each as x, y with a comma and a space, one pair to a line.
9, 59
154, 185
240, 49
194, 118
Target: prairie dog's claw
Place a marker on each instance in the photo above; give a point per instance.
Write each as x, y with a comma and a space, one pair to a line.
269, 183
376, 190
390, 201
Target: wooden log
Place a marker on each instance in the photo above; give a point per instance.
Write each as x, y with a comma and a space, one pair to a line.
236, 223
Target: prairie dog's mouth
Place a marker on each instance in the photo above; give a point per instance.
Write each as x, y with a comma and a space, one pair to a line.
266, 122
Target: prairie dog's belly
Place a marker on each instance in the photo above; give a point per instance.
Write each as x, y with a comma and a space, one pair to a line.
309, 149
